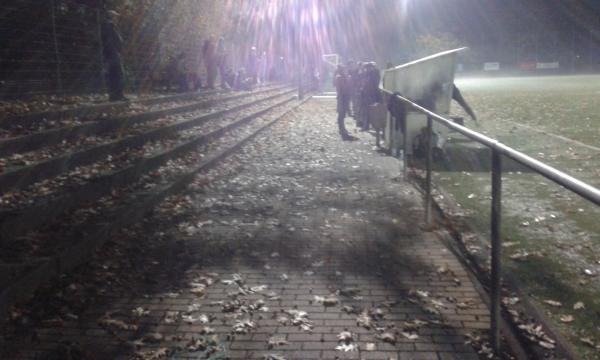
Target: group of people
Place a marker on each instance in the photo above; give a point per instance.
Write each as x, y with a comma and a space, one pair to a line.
357, 87
179, 73
216, 60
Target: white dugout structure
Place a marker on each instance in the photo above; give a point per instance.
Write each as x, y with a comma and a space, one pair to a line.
429, 79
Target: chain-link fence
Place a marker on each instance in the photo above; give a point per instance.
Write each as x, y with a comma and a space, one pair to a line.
49, 47
55, 46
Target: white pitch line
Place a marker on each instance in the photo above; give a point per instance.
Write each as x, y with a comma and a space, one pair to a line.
560, 137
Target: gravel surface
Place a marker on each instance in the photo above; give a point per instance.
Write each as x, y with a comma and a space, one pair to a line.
300, 246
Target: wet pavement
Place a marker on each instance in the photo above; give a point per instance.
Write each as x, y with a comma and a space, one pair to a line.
302, 246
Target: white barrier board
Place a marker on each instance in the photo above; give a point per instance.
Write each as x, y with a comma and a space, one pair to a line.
491, 66
547, 65
430, 78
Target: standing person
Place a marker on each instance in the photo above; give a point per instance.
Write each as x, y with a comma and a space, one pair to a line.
457, 96
354, 85
262, 67
112, 44
222, 62
341, 81
182, 79
210, 61
371, 92
252, 65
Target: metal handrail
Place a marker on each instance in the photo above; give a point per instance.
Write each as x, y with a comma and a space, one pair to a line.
577, 186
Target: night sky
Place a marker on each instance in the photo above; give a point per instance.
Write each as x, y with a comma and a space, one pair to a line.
503, 30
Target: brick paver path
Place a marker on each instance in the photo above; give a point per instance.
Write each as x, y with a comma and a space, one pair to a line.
299, 240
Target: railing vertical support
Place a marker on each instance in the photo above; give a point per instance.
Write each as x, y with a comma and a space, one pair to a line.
101, 47
428, 164
299, 47
405, 146
56, 54
496, 216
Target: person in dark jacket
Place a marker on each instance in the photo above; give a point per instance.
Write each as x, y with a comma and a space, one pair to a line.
222, 61
252, 65
209, 55
370, 92
341, 81
112, 44
457, 96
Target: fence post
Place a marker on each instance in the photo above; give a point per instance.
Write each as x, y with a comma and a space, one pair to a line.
496, 249
299, 48
56, 56
405, 145
428, 164
100, 47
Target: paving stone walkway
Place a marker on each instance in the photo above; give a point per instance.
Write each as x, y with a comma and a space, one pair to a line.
303, 247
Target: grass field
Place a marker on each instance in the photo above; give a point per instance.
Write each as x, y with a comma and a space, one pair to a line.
552, 237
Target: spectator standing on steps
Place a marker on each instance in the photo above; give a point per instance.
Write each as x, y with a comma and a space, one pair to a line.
341, 81
252, 65
210, 61
112, 44
222, 62
370, 93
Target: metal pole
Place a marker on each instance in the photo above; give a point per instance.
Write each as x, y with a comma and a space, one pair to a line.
100, 47
428, 163
58, 78
496, 248
405, 145
298, 49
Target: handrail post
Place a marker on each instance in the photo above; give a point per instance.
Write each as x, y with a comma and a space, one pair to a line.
299, 48
56, 51
496, 248
428, 164
101, 48
404, 123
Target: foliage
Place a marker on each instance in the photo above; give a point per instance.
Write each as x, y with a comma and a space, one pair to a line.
152, 31
432, 43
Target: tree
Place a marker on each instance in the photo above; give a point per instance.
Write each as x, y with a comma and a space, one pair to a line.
431, 43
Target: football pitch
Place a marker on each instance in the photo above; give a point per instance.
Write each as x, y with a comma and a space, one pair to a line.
551, 236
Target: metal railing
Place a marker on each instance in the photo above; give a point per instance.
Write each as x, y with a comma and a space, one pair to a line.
498, 149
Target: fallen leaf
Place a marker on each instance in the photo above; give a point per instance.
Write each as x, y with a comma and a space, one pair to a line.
330, 300
365, 321
276, 341
553, 303
162, 353
546, 345
349, 291
351, 309
387, 337
243, 326
139, 312
346, 347
345, 336
589, 272
206, 330
191, 319
410, 336
171, 317
566, 318
196, 345
258, 288
521, 255
116, 324
274, 357
153, 338
588, 342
